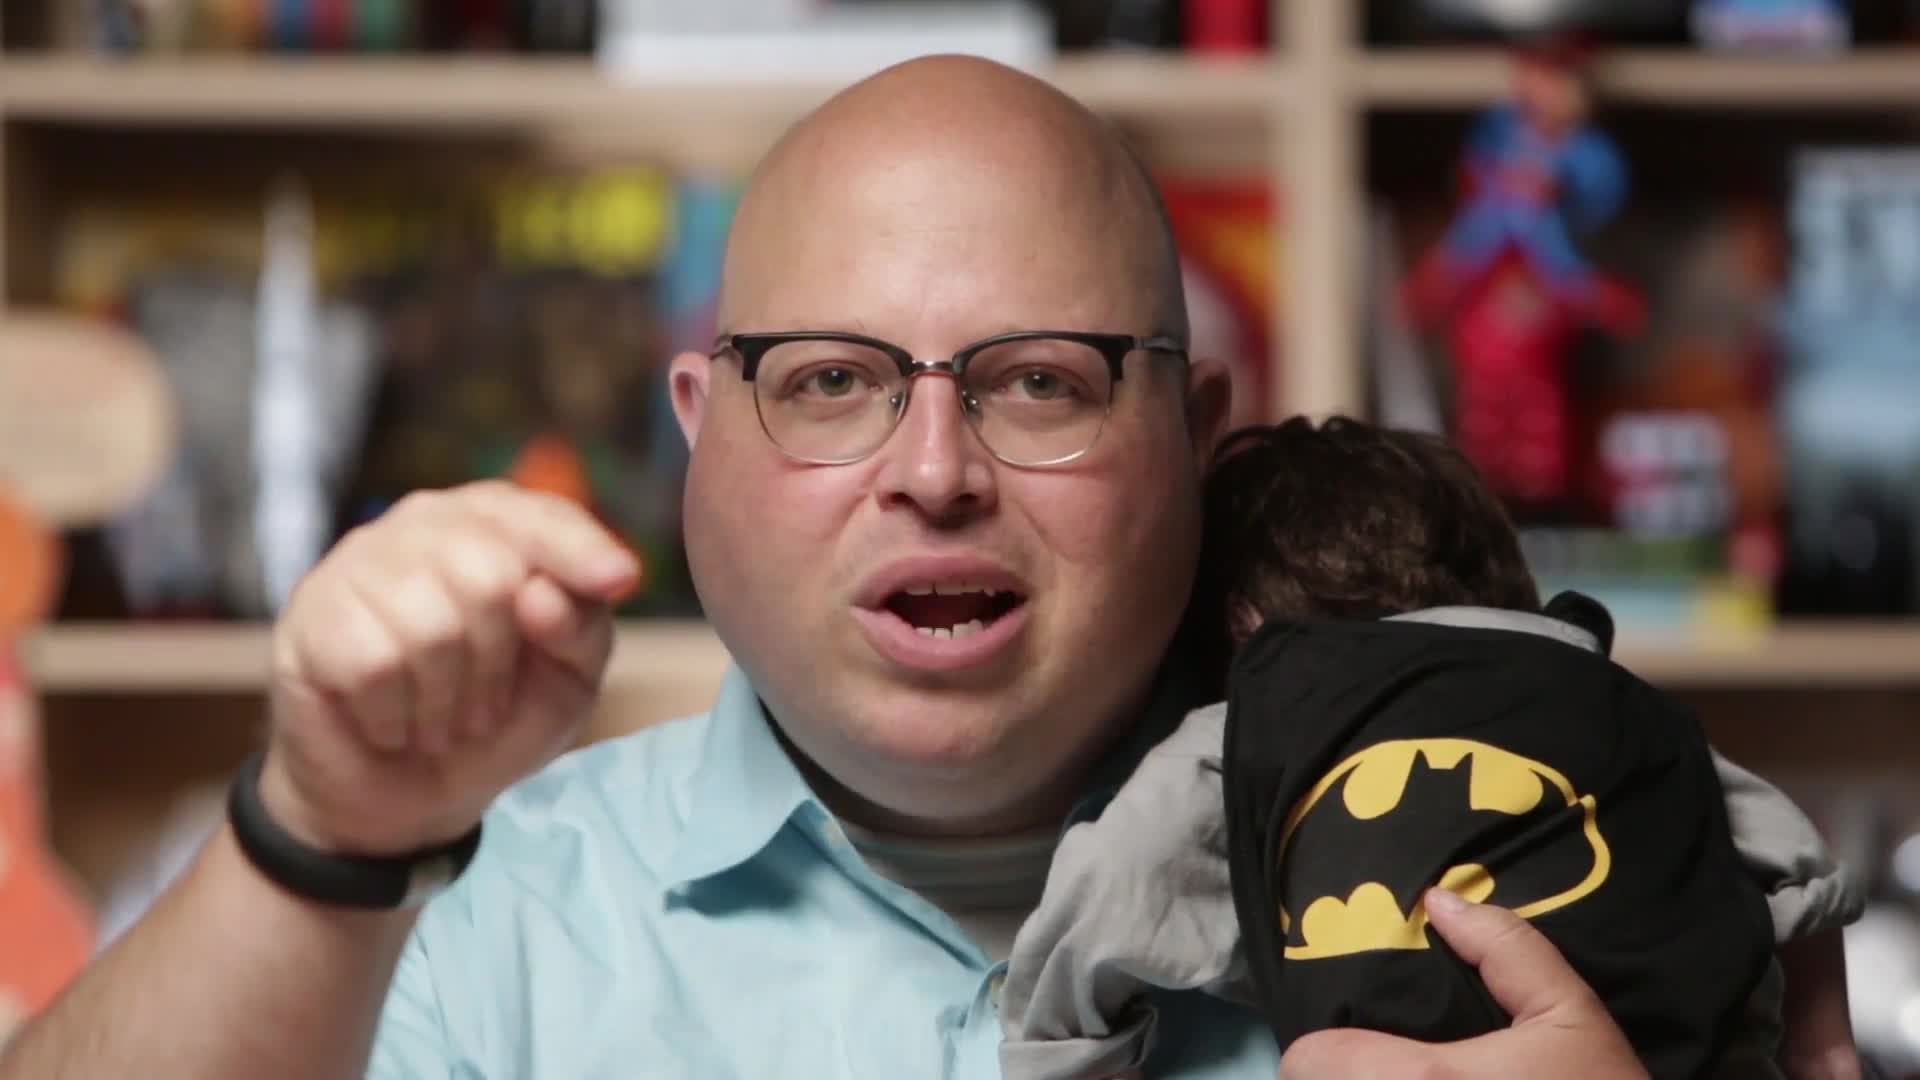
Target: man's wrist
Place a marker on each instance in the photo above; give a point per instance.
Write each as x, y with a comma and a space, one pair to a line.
291, 813
332, 875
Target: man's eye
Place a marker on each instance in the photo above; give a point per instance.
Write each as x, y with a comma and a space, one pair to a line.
831, 382
1037, 384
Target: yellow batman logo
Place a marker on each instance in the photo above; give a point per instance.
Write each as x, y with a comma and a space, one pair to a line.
1401, 798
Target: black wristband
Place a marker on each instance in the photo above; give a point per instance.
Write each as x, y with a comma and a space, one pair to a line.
378, 882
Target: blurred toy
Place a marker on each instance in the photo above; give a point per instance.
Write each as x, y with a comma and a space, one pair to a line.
1225, 26
1793, 25
86, 421
46, 932
84, 424
1510, 282
313, 381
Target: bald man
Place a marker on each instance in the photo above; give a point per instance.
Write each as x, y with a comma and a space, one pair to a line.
943, 509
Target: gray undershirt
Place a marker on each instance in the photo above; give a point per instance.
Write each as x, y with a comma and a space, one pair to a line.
989, 887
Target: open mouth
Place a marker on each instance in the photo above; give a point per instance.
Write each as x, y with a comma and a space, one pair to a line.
952, 609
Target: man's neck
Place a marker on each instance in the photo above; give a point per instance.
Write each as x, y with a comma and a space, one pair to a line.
1046, 811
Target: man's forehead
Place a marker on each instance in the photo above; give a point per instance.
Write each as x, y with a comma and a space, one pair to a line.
994, 222
851, 275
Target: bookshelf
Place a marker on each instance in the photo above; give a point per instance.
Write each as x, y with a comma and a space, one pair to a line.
1302, 114
1302, 109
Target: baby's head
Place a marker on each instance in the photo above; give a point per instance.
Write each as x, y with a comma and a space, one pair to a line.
1351, 520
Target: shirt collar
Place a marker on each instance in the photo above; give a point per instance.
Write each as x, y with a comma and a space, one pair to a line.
744, 788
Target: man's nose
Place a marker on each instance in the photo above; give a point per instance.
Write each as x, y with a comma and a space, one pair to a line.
933, 461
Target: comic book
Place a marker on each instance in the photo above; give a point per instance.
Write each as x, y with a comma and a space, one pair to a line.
516, 324
1850, 389
1229, 235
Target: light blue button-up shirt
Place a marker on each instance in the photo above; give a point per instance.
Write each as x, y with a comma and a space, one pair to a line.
677, 903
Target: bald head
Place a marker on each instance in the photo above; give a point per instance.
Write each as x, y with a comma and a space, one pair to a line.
952, 145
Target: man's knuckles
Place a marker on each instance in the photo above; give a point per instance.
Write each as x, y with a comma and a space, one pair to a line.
505, 496
415, 505
341, 646
420, 609
483, 572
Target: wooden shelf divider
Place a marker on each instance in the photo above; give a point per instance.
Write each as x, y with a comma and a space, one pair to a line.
507, 92
218, 658
213, 657
1874, 78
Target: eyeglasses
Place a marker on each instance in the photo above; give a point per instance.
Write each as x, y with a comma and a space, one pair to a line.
1034, 398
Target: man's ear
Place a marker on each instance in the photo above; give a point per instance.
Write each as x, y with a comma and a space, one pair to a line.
1209, 405
688, 379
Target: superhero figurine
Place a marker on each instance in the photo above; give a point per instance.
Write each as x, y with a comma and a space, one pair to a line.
1509, 282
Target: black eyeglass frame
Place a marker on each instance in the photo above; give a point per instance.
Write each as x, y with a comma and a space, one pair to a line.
1114, 348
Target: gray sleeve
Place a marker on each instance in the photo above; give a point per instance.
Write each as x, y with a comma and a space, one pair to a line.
1807, 890
1137, 898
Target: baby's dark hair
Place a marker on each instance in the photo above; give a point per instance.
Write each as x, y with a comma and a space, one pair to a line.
1351, 520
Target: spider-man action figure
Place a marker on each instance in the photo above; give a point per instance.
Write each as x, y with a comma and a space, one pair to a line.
1508, 274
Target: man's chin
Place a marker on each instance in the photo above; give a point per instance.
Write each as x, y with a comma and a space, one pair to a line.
935, 739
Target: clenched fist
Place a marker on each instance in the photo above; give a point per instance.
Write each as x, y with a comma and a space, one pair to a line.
433, 658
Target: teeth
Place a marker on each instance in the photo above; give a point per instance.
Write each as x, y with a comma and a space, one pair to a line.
965, 628
950, 588
942, 632
924, 631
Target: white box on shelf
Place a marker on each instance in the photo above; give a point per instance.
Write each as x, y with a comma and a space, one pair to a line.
835, 41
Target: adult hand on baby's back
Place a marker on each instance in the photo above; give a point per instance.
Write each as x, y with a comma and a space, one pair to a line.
1557, 1020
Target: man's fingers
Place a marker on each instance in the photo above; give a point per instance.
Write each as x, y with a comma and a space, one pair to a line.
574, 632
484, 575
557, 538
432, 634
1521, 968
1557, 1019
553, 698
352, 657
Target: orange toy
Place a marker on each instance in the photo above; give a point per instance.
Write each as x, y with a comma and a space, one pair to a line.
549, 463
46, 929
86, 427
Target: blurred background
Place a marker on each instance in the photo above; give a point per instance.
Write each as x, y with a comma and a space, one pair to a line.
267, 265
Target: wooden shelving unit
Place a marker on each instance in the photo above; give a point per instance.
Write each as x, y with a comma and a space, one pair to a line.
1301, 113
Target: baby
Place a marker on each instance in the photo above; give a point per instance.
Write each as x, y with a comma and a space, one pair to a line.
1401, 712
